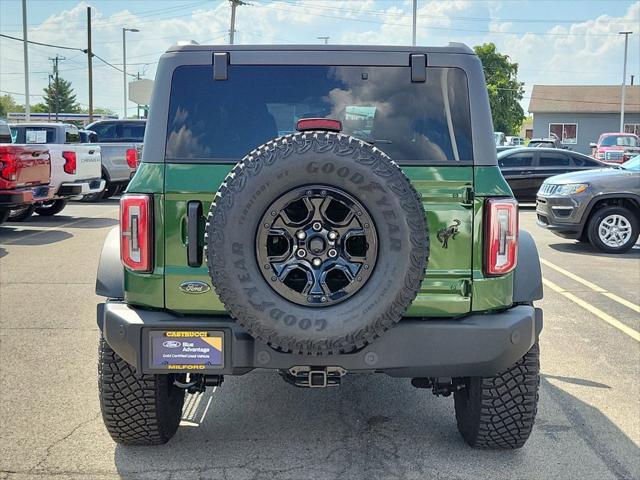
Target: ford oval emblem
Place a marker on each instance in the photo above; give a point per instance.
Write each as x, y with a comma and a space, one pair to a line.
172, 344
194, 286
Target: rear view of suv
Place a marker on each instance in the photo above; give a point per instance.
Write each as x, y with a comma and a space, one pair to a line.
319, 213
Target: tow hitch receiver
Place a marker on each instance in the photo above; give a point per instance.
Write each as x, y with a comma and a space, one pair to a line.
315, 377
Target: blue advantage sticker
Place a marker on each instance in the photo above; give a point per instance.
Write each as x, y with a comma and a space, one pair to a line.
186, 350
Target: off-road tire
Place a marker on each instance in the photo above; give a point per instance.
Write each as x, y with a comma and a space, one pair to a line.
22, 213
136, 409
283, 165
4, 215
498, 412
48, 209
601, 214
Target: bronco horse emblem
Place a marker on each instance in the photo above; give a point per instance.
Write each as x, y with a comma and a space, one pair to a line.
449, 232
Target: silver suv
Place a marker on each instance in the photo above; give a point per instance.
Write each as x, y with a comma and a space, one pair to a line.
599, 206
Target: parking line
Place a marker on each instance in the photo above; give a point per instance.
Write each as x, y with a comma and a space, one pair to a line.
57, 227
594, 310
592, 286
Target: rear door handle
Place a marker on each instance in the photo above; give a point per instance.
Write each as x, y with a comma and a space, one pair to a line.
194, 252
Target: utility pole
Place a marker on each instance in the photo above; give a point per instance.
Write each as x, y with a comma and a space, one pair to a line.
415, 21
56, 83
90, 64
49, 103
624, 78
25, 50
325, 38
232, 29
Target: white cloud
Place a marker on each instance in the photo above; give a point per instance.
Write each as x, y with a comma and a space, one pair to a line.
591, 54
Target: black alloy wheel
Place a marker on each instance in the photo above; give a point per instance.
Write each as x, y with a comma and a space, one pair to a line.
317, 245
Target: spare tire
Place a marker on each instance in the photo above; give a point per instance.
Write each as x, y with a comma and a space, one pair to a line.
317, 243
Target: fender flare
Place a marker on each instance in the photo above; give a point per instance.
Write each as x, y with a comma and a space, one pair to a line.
527, 276
110, 277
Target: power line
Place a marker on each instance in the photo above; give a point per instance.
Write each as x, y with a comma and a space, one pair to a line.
43, 44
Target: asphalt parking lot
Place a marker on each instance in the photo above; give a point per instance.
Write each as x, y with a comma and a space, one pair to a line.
257, 427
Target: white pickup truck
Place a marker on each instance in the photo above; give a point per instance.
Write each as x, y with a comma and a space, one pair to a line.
75, 168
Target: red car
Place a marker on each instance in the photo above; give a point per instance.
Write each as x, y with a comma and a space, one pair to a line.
616, 147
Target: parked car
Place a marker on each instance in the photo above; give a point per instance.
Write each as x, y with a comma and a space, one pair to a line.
526, 168
599, 206
25, 172
616, 147
121, 144
514, 141
75, 168
317, 240
546, 143
499, 138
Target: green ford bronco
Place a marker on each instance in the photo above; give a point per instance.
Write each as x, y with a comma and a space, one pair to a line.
318, 212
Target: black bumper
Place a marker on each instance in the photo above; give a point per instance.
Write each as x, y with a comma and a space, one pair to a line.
476, 345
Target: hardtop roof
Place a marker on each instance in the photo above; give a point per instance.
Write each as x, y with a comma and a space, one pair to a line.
454, 48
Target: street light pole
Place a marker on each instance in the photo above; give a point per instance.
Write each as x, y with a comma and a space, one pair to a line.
124, 67
624, 78
25, 51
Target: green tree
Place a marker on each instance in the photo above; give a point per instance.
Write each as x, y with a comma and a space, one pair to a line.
59, 97
8, 104
505, 91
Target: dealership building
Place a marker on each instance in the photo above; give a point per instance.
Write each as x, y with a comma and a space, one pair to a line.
578, 114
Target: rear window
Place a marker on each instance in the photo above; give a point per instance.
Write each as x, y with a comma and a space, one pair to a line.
35, 135
119, 132
223, 120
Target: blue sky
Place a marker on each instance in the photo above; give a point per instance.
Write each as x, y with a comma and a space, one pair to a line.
554, 42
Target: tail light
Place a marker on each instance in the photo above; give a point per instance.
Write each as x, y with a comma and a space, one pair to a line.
70, 163
501, 236
132, 157
136, 239
8, 166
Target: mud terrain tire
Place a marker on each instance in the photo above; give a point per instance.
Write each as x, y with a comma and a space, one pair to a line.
137, 409
295, 162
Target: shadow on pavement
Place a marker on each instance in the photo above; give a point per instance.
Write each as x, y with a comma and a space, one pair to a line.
583, 248
372, 427
55, 221
3, 252
28, 237
577, 381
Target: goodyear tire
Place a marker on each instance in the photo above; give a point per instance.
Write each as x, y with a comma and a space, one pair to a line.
498, 412
350, 231
136, 409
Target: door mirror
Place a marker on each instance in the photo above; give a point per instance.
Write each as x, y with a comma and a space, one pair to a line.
593, 145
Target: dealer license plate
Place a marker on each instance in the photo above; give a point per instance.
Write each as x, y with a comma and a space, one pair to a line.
186, 350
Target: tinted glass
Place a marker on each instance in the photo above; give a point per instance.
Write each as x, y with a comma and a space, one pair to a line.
554, 160
515, 160
620, 141
105, 131
411, 122
584, 161
131, 131
34, 134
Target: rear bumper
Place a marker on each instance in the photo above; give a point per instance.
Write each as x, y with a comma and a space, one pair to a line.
476, 345
25, 196
84, 187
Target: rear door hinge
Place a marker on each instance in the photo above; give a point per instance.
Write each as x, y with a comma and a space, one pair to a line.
468, 196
